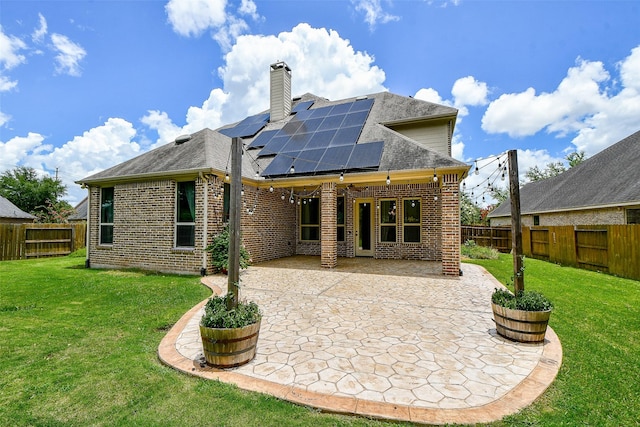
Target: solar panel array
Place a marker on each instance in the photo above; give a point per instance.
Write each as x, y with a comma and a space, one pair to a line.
248, 127
320, 140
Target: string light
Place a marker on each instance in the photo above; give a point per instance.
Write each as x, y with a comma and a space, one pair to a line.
293, 169
435, 177
388, 179
271, 189
341, 176
226, 176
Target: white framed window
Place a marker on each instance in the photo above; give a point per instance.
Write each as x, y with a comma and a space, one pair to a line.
310, 219
411, 220
388, 221
186, 214
106, 216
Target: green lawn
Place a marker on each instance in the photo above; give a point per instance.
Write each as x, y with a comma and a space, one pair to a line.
597, 318
78, 347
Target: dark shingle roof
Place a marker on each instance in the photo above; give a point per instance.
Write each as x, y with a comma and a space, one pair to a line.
208, 150
9, 210
80, 211
610, 177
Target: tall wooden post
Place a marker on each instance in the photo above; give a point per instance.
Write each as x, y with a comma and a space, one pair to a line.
516, 226
235, 208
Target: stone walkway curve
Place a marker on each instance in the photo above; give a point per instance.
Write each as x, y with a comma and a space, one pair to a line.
384, 339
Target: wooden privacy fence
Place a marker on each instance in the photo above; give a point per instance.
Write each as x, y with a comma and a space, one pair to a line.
613, 249
22, 241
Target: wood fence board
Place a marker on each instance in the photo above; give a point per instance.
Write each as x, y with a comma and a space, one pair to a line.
20, 241
610, 248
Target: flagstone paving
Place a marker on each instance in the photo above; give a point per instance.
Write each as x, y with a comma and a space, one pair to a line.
388, 339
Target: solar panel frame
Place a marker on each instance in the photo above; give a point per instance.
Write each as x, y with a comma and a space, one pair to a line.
346, 136
366, 155
331, 122
302, 106
274, 146
340, 109
361, 105
321, 139
307, 160
263, 139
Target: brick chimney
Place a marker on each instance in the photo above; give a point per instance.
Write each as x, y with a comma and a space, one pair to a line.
280, 91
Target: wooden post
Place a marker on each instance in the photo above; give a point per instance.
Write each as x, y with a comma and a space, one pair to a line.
235, 207
516, 226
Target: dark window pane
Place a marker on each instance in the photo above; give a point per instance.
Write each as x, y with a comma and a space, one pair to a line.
186, 201
310, 212
388, 233
633, 216
412, 211
106, 234
388, 212
226, 202
340, 210
340, 234
310, 233
185, 235
411, 234
106, 207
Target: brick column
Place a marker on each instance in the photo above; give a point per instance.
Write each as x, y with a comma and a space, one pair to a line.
328, 228
450, 225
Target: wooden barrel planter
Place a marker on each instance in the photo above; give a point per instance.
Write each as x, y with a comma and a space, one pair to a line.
520, 325
229, 347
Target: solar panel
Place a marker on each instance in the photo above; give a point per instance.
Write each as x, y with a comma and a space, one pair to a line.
340, 108
247, 127
301, 106
366, 155
335, 158
262, 139
307, 160
346, 136
274, 146
361, 105
355, 119
321, 139
331, 122
280, 165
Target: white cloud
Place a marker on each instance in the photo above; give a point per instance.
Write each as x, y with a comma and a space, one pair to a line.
373, 12
4, 118
19, 148
38, 34
69, 55
96, 150
322, 63
582, 104
469, 91
431, 95
191, 18
249, 8
10, 57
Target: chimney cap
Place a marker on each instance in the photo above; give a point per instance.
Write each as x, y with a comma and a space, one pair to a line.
280, 64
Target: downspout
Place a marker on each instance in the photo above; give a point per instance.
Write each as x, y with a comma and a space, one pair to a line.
87, 261
205, 228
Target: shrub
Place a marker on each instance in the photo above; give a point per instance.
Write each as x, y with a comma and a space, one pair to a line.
526, 300
219, 249
216, 314
471, 250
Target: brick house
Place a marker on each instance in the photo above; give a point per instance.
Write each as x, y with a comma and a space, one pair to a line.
369, 176
604, 189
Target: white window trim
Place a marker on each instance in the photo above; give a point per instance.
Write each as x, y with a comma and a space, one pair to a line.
175, 217
100, 223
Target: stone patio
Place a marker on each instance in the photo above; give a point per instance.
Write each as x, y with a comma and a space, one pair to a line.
381, 338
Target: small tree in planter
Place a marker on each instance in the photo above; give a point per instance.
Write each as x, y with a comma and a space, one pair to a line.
219, 249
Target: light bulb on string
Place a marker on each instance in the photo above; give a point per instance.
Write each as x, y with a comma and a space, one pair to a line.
341, 176
226, 176
271, 189
282, 196
388, 180
293, 169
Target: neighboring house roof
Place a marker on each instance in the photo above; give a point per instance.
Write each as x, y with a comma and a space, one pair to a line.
80, 211
9, 210
364, 144
609, 178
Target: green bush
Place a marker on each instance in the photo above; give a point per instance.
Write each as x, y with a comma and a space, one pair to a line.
526, 300
219, 249
216, 314
471, 250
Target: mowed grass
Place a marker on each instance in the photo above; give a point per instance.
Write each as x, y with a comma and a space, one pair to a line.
597, 318
79, 347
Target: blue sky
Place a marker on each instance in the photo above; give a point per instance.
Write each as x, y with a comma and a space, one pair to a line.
85, 85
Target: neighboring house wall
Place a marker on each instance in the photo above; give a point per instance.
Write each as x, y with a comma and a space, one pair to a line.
15, 220
432, 136
614, 215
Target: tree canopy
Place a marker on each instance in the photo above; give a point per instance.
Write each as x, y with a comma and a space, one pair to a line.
39, 196
555, 168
